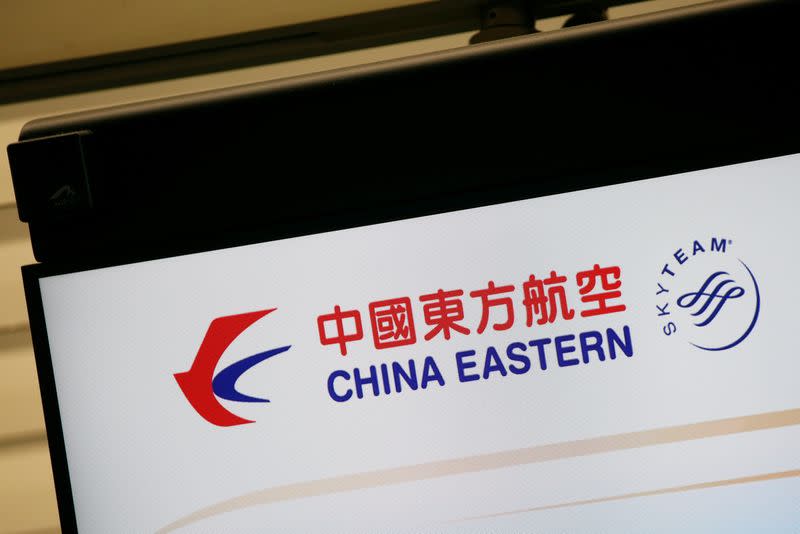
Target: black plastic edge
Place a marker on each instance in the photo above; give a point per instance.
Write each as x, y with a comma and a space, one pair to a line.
50, 406
83, 120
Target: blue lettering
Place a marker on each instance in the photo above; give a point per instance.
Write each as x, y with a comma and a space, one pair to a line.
387, 388
332, 391
614, 341
430, 372
464, 365
539, 344
697, 247
561, 350
596, 345
718, 245
409, 378
680, 256
371, 378
493, 364
519, 358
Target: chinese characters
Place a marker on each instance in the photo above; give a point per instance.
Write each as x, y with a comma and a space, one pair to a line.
544, 301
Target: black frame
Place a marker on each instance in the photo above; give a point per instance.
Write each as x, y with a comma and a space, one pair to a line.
50, 407
767, 51
668, 91
47, 386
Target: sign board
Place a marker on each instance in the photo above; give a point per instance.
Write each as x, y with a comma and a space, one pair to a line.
612, 358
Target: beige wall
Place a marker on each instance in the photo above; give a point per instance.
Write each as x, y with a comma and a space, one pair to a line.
53, 30
81, 28
27, 499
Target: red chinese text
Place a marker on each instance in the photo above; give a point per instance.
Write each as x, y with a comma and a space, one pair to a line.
489, 300
443, 311
392, 323
587, 282
339, 335
544, 302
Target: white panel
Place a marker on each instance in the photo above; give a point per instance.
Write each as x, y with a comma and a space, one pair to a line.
27, 496
123, 338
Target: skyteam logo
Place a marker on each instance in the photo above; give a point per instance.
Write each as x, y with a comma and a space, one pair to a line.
708, 296
203, 387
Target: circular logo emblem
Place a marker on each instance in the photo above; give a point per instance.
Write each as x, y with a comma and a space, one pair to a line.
708, 296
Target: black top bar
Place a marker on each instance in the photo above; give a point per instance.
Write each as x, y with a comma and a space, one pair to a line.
527, 116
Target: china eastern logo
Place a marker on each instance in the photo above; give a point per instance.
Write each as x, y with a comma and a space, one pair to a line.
203, 387
537, 323
708, 295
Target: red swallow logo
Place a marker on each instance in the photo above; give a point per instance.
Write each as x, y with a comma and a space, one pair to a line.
199, 384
